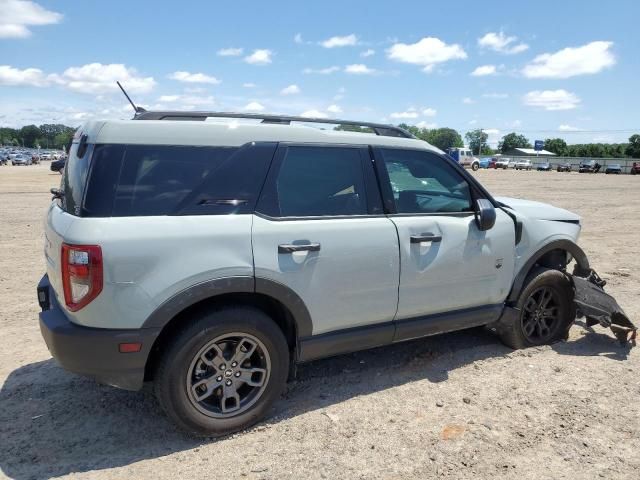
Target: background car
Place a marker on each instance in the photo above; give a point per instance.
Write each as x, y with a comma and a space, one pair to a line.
613, 168
502, 162
523, 165
544, 167
21, 159
565, 167
58, 165
589, 166
635, 168
487, 162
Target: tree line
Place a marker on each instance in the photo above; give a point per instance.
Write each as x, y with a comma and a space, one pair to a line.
58, 136
48, 135
444, 138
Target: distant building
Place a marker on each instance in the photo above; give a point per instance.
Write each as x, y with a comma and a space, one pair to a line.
528, 152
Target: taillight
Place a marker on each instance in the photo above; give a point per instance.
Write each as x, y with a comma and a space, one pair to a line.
81, 274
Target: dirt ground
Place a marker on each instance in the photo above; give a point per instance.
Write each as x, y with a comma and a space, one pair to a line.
457, 406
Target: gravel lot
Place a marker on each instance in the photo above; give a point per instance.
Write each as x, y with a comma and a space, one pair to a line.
457, 406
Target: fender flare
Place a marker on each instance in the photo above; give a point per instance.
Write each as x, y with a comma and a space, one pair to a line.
566, 245
184, 299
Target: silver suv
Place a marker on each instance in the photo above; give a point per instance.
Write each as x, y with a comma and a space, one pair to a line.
211, 257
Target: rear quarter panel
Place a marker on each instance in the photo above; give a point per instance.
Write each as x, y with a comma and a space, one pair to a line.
149, 259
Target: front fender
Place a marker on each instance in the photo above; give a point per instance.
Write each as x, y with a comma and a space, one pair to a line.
561, 244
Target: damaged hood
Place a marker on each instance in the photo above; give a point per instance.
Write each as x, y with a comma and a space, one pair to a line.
538, 210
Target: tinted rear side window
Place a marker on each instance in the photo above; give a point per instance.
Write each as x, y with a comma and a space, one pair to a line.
148, 180
155, 179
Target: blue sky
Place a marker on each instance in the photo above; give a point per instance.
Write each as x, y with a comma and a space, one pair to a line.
544, 68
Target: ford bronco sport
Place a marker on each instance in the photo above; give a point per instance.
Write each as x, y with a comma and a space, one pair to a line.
210, 257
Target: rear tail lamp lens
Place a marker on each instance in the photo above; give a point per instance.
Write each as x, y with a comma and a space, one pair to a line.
81, 274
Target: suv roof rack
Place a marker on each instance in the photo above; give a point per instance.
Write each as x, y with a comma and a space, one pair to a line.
378, 128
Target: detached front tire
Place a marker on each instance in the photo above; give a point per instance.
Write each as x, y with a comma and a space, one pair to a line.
223, 372
545, 311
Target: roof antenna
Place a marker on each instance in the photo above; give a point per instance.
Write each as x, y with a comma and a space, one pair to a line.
135, 109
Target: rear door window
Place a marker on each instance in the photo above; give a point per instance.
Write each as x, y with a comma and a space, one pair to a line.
316, 181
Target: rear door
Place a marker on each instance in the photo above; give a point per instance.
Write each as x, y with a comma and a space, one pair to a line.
447, 263
320, 230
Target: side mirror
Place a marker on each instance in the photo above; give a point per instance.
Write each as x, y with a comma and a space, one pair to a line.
485, 214
56, 193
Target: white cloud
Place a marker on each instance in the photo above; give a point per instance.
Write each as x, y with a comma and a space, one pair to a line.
429, 112
249, 85
491, 131
551, 99
495, 95
18, 15
253, 107
568, 128
346, 41
188, 77
290, 90
322, 71
427, 125
298, 38
473, 122
468, 100
230, 52
314, 114
499, 42
259, 57
405, 115
367, 53
569, 62
32, 77
427, 52
188, 101
359, 69
334, 109
484, 70
97, 78
515, 124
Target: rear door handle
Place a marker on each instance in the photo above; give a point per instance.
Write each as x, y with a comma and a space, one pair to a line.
290, 248
425, 237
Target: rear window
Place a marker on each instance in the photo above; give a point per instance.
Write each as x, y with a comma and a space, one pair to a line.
151, 180
74, 180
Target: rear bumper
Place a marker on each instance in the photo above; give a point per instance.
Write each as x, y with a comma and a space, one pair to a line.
93, 352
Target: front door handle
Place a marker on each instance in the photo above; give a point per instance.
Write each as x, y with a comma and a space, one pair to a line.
425, 237
290, 248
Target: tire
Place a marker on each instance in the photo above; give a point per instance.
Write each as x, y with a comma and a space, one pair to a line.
182, 368
475, 166
525, 329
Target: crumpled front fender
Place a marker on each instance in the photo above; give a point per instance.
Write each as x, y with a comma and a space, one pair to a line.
597, 306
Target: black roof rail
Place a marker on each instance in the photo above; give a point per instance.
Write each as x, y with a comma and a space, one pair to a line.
378, 128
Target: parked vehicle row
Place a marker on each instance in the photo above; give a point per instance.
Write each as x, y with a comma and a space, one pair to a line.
27, 156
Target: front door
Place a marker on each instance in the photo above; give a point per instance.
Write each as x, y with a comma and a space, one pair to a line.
447, 264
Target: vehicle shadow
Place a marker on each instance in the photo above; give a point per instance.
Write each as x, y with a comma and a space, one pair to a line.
594, 342
54, 423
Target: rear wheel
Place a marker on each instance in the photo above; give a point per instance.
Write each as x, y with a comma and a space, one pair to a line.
223, 372
546, 311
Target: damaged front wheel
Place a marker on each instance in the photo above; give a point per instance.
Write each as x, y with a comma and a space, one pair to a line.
545, 311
